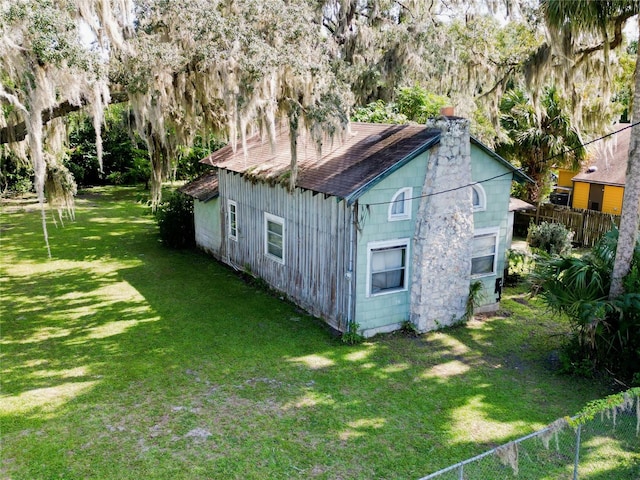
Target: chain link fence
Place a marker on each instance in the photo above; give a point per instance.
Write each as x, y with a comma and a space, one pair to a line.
602, 442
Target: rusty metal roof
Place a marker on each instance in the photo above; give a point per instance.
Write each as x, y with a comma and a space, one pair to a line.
345, 166
342, 167
608, 164
203, 188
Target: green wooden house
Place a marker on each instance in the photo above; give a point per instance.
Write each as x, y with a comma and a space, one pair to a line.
344, 243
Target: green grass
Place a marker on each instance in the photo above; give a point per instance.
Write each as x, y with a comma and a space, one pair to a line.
123, 359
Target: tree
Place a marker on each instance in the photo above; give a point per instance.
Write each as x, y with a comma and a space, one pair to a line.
410, 104
538, 140
237, 67
605, 20
201, 66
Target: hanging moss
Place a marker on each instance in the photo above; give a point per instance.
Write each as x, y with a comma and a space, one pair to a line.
508, 455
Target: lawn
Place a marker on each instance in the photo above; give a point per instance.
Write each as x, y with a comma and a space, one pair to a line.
123, 359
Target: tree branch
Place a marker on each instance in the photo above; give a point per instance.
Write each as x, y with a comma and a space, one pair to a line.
615, 42
18, 132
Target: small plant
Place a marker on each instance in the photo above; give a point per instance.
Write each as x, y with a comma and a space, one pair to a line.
473, 300
552, 238
175, 219
409, 328
519, 264
351, 336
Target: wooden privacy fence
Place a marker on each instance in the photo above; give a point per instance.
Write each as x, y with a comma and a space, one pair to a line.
588, 225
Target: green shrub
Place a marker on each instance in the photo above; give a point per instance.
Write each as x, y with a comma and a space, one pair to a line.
175, 219
352, 336
553, 238
519, 265
15, 176
605, 331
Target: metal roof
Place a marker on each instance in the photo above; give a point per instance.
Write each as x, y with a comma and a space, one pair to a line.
608, 164
203, 188
345, 166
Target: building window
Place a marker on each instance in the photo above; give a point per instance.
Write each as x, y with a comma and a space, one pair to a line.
485, 253
400, 208
479, 198
387, 269
232, 219
274, 237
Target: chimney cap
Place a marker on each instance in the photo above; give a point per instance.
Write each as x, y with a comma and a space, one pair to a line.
448, 111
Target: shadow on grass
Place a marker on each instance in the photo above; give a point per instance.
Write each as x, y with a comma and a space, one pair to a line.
181, 370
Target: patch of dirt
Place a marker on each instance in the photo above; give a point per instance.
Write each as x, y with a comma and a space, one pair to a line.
521, 300
198, 434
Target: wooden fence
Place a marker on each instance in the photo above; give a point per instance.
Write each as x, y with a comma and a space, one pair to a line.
588, 225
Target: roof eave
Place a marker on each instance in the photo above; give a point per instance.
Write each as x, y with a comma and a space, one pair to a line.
598, 182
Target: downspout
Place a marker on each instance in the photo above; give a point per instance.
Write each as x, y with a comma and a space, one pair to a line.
349, 274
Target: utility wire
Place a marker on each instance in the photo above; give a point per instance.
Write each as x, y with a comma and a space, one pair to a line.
510, 172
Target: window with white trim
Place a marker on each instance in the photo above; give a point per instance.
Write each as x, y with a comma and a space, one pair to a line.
485, 253
387, 266
479, 198
274, 237
232, 219
400, 207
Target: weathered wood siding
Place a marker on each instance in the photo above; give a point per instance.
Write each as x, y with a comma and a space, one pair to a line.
316, 243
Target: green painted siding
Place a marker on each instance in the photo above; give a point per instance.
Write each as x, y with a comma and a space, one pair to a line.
497, 190
391, 309
207, 223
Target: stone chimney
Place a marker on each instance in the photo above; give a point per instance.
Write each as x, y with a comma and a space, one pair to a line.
444, 230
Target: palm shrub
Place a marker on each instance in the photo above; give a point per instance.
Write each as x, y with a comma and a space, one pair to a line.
175, 219
606, 331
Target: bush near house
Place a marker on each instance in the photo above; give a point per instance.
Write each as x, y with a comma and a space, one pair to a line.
175, 219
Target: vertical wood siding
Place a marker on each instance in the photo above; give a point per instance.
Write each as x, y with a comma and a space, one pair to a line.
316, 243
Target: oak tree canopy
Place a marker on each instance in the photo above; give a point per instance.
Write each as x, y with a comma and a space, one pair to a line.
236, 67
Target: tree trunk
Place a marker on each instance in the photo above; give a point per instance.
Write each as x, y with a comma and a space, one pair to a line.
630, 215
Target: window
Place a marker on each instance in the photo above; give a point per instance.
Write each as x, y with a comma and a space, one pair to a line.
274, 237
232, 219
400, 208
387, 266
479, 198
485, 249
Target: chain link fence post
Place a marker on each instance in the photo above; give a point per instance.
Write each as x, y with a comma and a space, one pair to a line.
576, 461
